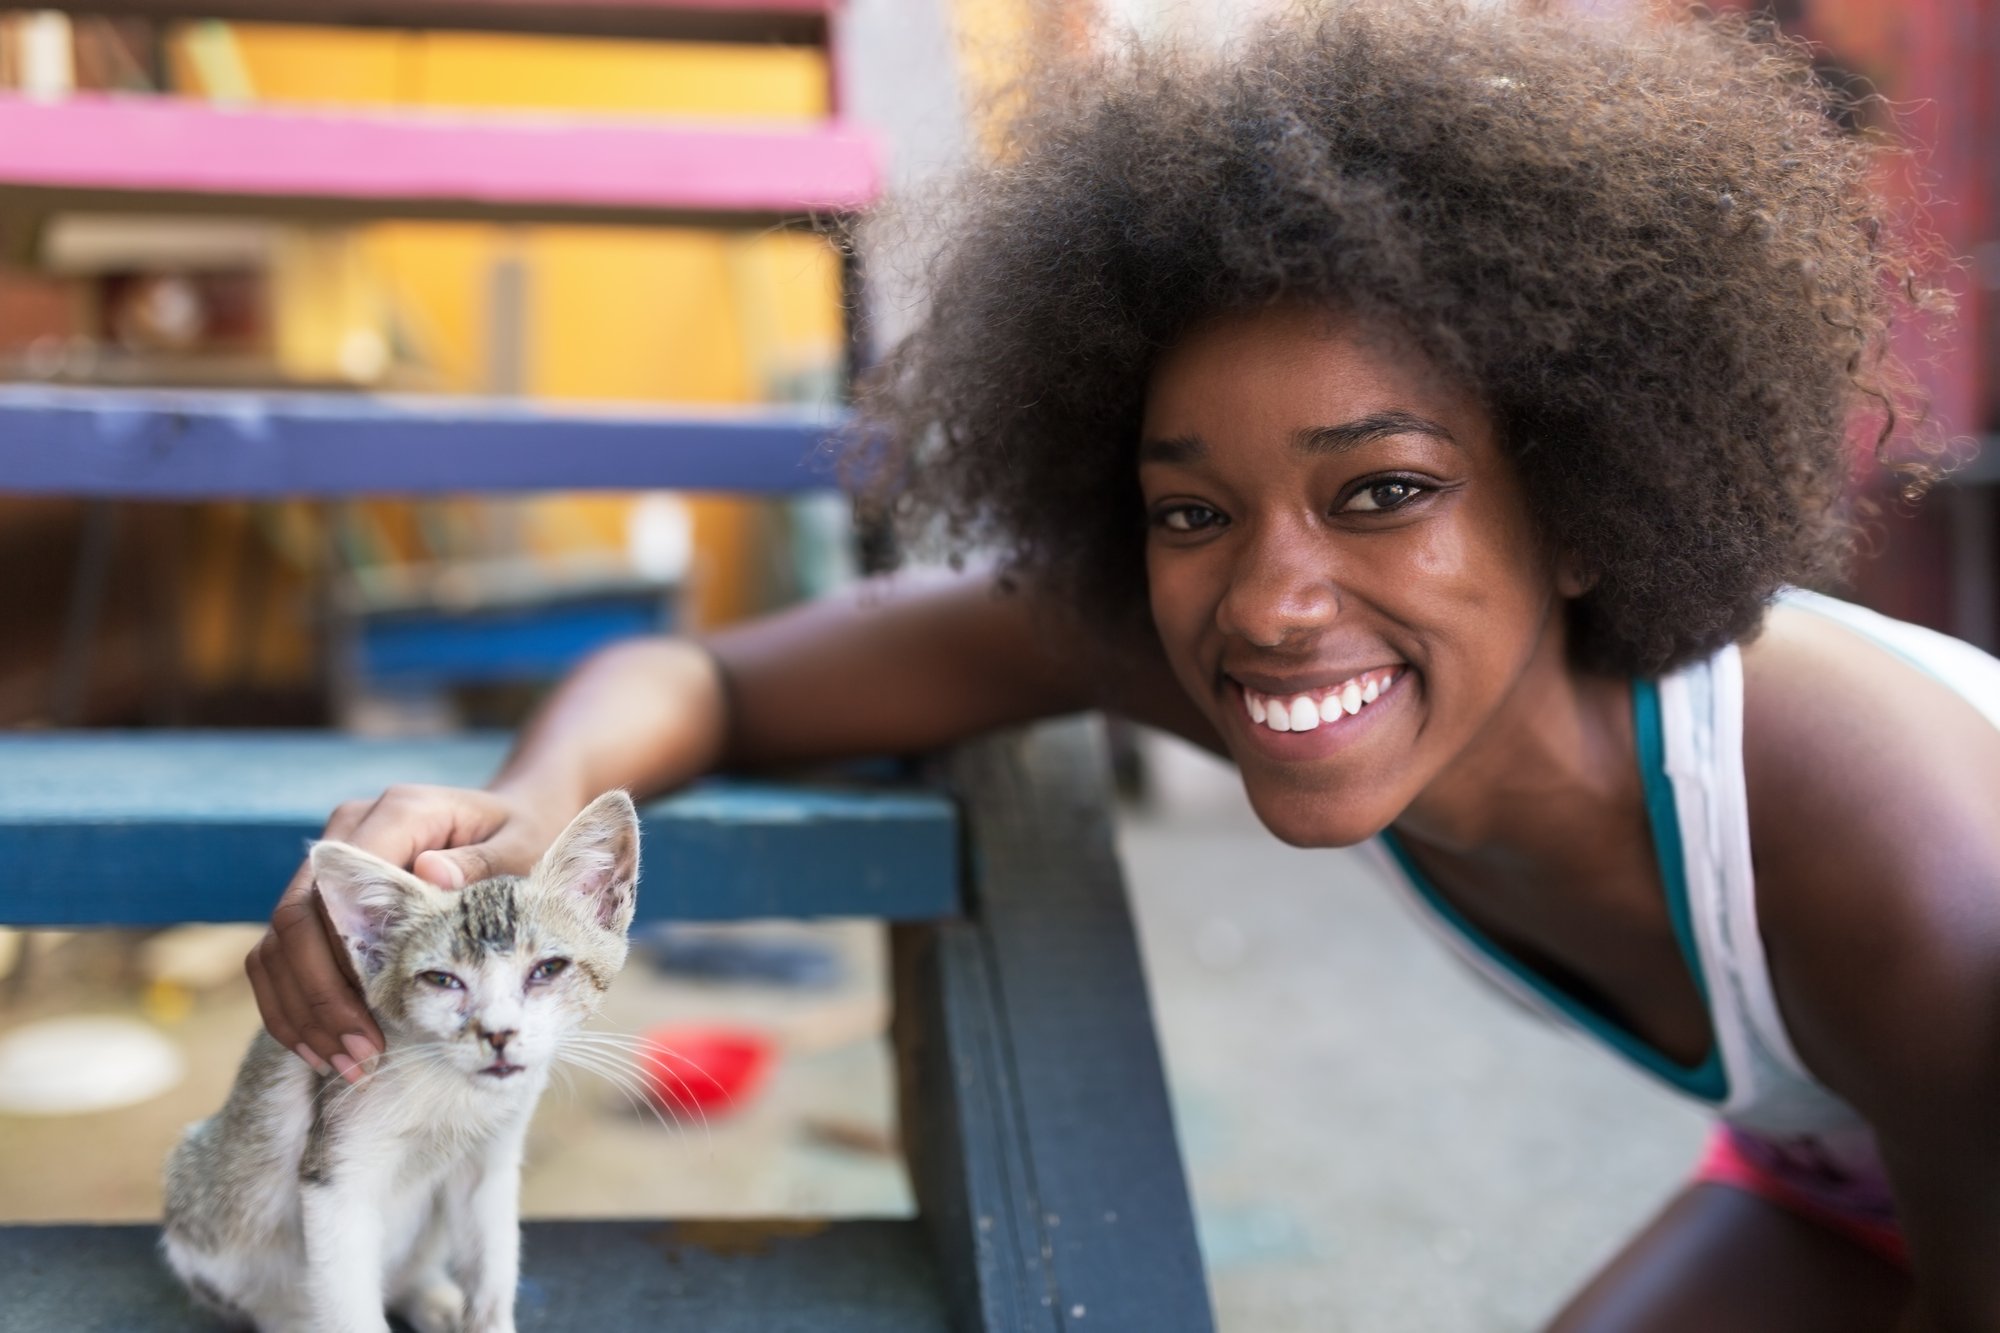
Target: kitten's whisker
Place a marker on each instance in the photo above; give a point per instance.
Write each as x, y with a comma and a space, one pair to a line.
396, 1057
628, 1081
617, 1079
655, 1057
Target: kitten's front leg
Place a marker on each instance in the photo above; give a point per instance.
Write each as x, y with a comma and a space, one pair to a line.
490, 1253
343, 1233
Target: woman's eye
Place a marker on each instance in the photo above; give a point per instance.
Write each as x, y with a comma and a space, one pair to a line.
442, 980
1380, 496
1187, 518
548, 968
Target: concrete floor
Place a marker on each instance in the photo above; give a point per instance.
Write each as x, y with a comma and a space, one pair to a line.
1375, 1143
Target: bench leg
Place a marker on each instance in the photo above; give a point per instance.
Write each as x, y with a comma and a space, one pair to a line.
1035, 1112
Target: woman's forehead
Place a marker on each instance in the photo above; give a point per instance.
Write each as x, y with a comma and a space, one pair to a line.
1295, 368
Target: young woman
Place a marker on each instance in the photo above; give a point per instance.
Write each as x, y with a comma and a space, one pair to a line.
1432, 412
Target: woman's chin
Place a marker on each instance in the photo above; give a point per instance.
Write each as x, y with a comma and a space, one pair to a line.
1307, 819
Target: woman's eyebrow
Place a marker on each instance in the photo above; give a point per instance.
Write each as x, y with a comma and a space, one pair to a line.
1173, 449
1374, 426
1310, 439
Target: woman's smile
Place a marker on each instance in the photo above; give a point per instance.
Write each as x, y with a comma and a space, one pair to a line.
1294, 719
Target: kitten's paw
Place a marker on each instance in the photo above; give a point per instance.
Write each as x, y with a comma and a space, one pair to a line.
494, 1317
439, 1307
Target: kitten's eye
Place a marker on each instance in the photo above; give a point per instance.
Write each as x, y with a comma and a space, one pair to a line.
1187, 518
442, 980
548, 968
1381, 496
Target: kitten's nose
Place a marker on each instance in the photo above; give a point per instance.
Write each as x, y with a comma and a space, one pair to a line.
498, 1040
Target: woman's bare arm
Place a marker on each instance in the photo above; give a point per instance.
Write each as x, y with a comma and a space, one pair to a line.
893, 666
1870, 792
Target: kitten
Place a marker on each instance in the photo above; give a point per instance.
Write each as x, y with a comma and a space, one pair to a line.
308, 1203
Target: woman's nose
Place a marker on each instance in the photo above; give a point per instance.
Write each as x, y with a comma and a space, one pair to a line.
1281, 591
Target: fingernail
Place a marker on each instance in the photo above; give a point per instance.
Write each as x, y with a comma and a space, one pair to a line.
360, 1048
348, 1069
311, 1057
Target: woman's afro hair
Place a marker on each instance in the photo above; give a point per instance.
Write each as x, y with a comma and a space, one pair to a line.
1650, 248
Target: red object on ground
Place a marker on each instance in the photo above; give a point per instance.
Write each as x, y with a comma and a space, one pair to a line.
708, 1071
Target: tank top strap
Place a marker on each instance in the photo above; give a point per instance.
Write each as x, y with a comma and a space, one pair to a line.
1701, 728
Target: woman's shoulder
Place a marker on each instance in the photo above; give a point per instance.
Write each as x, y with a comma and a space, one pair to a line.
1871, 786
1845, 737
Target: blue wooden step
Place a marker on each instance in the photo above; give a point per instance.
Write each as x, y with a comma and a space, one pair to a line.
160, 444
155, 828
617, 1277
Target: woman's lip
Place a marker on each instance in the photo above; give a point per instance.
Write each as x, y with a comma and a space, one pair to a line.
1317, 682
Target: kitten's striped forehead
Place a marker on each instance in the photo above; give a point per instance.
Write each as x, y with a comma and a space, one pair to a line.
486, 918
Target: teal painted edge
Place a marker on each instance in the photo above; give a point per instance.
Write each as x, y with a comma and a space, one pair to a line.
1708, 1080
164, 828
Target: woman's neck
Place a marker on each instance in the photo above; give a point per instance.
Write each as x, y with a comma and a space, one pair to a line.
1556, 755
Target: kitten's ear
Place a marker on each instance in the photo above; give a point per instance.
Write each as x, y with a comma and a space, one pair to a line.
365, 898
597, 858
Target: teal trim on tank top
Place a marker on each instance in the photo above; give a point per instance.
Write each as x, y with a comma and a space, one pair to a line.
1708, 1080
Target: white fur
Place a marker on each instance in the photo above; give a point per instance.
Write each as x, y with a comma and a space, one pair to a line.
413, 1201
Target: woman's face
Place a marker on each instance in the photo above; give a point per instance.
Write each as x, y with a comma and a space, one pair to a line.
1342, 568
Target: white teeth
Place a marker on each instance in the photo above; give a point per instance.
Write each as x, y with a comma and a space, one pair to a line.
1302, 712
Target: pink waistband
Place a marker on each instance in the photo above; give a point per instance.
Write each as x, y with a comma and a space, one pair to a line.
1724, 1162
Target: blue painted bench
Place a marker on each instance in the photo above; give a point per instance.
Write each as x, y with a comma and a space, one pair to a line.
1034, 1113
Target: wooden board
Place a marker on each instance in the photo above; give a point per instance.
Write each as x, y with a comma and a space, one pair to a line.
165, 153
1041, 1140
157, 828
791, 22
156, 444
618, 1277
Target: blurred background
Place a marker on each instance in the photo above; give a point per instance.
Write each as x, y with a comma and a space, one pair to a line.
1366, 1135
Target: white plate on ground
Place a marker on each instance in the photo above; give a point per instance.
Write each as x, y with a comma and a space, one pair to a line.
64, 1066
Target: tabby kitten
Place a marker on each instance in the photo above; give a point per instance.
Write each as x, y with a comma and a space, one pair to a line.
309, 1204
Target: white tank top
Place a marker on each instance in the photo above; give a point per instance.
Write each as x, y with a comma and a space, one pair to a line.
1689, 726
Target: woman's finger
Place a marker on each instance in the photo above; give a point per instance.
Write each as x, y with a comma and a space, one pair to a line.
322, 996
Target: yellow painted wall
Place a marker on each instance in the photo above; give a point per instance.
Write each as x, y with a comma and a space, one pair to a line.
615, 313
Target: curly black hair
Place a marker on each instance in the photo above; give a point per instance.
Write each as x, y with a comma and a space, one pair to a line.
1649, 247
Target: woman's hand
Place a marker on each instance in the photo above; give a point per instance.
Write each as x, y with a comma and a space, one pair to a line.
305, 985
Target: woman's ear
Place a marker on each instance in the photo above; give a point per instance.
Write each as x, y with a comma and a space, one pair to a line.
1572, 579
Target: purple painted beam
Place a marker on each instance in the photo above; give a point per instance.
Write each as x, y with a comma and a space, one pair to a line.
151, 444
147, 152
793, 22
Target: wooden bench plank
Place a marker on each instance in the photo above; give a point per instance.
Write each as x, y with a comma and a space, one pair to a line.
155, 444
789, 22
1040, 1136
716, 1277
164, 153
157, 828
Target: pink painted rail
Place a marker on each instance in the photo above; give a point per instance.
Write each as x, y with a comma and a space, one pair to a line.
799, 22
142, 152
